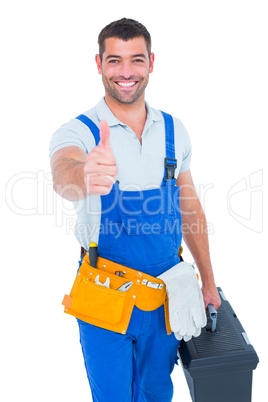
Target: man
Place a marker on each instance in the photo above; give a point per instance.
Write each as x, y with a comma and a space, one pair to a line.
127, 202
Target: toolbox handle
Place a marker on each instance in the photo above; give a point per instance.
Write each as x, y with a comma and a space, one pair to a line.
212, 315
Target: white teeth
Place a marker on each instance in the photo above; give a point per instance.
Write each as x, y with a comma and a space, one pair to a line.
126, 84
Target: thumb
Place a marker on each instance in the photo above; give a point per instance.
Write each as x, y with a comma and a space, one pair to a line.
104, 135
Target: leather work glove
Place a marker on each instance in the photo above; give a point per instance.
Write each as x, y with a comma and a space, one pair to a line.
187, 313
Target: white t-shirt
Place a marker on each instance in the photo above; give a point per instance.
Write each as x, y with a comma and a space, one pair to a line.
140, 166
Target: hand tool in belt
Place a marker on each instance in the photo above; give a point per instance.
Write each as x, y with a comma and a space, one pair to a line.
93, 254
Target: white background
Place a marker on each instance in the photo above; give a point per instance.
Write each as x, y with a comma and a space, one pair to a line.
211, 72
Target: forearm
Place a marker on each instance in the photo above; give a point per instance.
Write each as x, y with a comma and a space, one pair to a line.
197, 242
194, 230
68, 179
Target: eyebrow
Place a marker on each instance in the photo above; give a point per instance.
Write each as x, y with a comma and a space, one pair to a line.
114, 56
139, 55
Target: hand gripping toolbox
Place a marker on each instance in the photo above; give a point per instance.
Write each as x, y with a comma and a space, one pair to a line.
218, 365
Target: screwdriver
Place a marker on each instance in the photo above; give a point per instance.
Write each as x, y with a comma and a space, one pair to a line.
93, 254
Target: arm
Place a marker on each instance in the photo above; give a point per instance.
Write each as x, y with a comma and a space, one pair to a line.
67, 166
76, 175
195, 236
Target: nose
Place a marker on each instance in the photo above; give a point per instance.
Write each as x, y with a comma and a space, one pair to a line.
126, 70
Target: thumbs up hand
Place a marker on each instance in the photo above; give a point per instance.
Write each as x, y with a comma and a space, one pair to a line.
105, 136
100, 169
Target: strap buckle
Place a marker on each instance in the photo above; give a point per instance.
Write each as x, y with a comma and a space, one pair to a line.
170, 165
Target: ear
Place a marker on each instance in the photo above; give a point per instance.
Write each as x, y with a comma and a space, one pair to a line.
98, 62
151, 67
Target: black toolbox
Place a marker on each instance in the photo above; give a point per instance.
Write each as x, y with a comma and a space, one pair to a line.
218, 365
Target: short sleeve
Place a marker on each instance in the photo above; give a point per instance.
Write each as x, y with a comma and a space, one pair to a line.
73, 133
183, 147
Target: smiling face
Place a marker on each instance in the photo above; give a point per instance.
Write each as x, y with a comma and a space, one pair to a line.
125, 69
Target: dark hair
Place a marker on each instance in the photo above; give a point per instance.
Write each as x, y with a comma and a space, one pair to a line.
124, 29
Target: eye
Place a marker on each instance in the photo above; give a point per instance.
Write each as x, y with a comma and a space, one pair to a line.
113, 61
139, 60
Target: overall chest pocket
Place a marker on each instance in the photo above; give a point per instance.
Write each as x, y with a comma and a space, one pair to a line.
147, 239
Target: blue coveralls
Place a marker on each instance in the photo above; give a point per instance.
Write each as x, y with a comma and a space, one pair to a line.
141, 230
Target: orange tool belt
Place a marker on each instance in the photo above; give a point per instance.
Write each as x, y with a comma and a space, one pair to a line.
110, 308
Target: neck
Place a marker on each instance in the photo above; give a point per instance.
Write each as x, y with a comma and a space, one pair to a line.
133, 115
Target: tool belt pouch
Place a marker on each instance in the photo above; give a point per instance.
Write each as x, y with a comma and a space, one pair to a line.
107, 307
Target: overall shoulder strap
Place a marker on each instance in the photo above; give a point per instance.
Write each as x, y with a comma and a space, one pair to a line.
91, 125
170, 160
